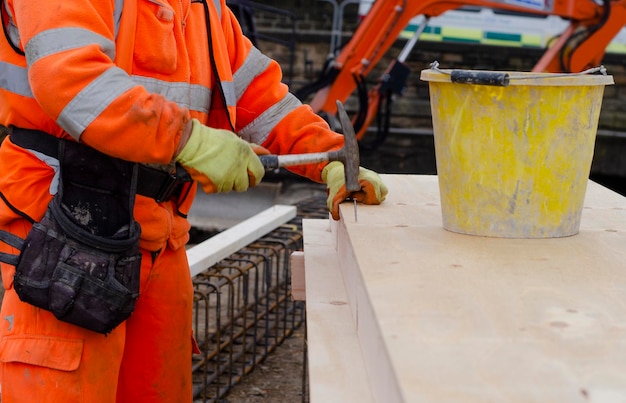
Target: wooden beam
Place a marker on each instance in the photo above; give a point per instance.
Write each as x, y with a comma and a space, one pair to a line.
298, 282
224, 244
336, 367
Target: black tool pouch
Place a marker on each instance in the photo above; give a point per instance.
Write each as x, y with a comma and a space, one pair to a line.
82, 260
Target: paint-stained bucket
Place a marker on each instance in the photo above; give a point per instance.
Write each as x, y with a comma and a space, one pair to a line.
514, 149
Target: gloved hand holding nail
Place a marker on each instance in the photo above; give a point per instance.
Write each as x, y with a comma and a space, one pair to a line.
373, 190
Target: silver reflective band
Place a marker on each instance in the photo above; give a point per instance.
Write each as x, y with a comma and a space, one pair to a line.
258, 130
14, 35
88, 103
218, 6
54, 164
255, 64
117, 16
192, 96
58, 40
229, 93
15, 79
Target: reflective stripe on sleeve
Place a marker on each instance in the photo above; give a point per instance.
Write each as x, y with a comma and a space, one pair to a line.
255, 64
15, 79
258, 130
87, 104
61, 39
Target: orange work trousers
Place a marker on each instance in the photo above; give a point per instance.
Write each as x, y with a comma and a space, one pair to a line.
146, 359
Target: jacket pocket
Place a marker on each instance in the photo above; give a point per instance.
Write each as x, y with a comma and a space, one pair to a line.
155, 32
48, 352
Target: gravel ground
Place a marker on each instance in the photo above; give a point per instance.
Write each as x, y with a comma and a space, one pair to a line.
279, 379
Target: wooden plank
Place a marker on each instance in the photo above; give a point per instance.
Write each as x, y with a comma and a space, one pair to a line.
222, 245
298, 281
449, 317
336, 368
385, 384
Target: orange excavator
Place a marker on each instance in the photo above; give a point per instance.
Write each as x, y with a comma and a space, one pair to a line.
592, 26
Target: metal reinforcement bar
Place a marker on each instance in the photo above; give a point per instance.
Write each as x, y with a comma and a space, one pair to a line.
243, 308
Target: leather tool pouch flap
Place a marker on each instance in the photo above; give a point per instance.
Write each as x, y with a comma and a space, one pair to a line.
82, 260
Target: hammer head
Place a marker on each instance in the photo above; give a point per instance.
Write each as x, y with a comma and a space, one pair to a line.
349, 154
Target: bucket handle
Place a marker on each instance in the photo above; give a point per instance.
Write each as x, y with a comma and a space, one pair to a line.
480, 77
499, 79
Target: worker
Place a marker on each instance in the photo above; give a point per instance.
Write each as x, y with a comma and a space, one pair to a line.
166, 84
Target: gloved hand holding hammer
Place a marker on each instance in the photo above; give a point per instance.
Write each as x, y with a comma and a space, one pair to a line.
343, 176
343, 181
372, 190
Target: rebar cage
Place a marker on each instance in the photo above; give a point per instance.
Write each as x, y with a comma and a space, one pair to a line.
243, 308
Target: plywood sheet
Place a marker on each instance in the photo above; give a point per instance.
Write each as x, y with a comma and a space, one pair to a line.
336, 369
448, 317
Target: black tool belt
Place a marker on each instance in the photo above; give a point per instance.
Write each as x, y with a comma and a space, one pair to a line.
82, 260
154, 183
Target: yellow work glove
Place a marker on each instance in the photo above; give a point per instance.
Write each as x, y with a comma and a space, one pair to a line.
219, 160
373, 190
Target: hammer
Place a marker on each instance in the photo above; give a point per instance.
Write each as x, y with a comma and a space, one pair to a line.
348, 154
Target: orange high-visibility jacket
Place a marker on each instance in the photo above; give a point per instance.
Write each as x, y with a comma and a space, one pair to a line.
124, 77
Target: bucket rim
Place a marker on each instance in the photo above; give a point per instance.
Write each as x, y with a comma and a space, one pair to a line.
520, 78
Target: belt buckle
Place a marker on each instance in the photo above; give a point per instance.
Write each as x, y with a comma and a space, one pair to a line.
172, 184
168, 188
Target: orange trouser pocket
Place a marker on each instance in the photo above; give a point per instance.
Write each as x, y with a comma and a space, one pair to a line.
61, 354
41, 369
46, 360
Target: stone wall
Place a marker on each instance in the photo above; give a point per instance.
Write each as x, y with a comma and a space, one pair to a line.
313, 23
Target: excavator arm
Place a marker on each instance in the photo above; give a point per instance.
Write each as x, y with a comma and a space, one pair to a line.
592, 27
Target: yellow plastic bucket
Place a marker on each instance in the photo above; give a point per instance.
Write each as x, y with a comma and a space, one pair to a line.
513, 160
